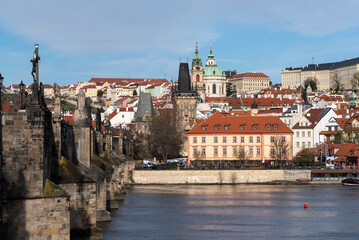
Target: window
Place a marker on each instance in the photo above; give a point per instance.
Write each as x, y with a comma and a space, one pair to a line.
204, 127
203, 139
224, 151
224, 139
234, 151
258, 139
267, 126
216, 127
309, 145
194, 151
242, 139
303, 134
308, 133
226, 127
234, 139
194, 139
215, 151
272, 151
250, 139
255, 126
250, 151
283, 139
303, 144
297, 133
290, 121
258, 151
297, 144
243, 126
203, 151
215, 140
275, 126
272, 139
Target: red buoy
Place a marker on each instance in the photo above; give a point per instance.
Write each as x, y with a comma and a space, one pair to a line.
305, 205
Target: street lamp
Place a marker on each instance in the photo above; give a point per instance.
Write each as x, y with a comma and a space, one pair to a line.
21, 85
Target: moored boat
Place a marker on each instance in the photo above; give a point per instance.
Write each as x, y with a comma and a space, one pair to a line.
350, 182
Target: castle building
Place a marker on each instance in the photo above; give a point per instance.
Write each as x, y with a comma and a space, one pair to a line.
214, 78
324, 73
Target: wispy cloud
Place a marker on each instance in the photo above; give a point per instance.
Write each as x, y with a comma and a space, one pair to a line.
126, 26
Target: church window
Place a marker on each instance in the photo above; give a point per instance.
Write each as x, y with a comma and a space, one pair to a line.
197, 77
214, 72
214, 89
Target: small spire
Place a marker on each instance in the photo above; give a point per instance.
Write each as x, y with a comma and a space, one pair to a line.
210, 49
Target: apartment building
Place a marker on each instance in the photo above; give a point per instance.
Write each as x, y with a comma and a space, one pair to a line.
222, 136
249, 81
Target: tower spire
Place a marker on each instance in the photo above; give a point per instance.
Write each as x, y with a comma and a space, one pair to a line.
210, 49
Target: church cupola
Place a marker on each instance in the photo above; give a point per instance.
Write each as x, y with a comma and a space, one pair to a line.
197, 61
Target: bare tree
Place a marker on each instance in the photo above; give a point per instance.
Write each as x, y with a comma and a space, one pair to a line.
336, 82
355, 80
281, 149
166, 135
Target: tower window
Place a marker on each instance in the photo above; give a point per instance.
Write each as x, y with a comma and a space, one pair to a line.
214, 89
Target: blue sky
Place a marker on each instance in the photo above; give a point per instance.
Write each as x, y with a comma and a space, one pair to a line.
83, 39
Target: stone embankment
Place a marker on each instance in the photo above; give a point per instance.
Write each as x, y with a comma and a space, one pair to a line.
217, 176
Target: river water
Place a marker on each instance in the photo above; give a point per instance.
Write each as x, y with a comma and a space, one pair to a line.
237, 212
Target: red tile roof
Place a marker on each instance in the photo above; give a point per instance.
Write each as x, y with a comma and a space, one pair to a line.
313, 116
237, 104
125, 81
248, 74
345, 149
218, 122
70, 119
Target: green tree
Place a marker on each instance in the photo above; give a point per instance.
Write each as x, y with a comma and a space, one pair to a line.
305, 157
99, 95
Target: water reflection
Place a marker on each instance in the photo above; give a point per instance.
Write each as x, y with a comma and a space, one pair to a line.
236, 212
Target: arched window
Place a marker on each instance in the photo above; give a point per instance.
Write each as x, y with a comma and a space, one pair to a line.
197, 77
222, 88
219, 89
214, 88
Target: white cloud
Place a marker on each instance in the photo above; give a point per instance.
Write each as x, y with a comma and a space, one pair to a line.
127, 26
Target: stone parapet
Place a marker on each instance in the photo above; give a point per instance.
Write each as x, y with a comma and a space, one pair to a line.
216, 176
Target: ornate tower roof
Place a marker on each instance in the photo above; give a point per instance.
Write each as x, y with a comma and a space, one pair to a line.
211, 68
196, 60
184, 82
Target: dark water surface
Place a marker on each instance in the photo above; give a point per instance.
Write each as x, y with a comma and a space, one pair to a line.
237, 212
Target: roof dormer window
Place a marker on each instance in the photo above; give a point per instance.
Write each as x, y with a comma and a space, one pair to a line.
216, 127
226, 127
243, 126
204, 127
255, 126
275, 126
268, 126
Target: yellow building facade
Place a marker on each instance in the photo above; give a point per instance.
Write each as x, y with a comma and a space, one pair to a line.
324, 73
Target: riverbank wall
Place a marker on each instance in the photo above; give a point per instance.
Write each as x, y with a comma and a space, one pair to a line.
146, 177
